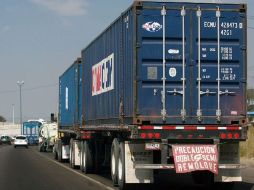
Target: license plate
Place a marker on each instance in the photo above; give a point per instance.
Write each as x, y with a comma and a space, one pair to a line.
152, 146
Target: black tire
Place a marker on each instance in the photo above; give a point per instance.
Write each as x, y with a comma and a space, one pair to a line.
71, 159
87, 157
81, 156
59, 155
98, 155
14, 146
55, 155
42, 148
121, 169
114, 161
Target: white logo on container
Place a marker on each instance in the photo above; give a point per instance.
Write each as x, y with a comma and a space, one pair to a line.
152, 26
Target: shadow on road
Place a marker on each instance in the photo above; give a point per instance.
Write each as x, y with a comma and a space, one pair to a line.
165, 180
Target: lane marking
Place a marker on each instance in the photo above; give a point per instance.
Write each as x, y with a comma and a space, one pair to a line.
72, 170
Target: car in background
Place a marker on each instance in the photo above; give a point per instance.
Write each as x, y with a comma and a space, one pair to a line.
21, 140
5, 139
13, 138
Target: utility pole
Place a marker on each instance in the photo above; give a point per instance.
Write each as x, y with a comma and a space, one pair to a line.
20, 83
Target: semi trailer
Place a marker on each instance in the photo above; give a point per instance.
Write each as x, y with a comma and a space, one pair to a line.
162, 88
30, 129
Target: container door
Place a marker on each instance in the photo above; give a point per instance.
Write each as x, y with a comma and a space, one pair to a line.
164, 53
182, 77
218, 80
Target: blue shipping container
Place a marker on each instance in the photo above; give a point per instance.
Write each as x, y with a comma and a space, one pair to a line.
168, 63
31, 131
70, 105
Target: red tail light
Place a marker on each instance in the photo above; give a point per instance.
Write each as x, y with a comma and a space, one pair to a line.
190, 136
236, 135
230, 135
180, 136
150, 135
223, 136
143, 135
86, 135
201, 136
157, 135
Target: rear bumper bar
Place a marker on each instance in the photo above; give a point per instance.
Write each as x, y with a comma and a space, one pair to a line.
171, 166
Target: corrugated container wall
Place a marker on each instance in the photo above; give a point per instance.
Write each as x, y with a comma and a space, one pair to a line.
70, 91
199, 47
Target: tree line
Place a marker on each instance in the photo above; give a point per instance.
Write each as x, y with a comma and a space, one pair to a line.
2, 119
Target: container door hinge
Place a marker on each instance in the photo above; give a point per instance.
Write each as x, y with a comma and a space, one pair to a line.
138, 45
243, 48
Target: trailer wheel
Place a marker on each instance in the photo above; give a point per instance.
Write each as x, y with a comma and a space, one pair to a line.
41, 149
59, 154
71, 160
114, 161
121, 168
55, 155
86, 158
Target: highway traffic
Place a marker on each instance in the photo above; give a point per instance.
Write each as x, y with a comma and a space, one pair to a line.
28, 169
158, 100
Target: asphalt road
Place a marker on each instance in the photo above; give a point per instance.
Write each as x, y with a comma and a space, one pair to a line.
27, 169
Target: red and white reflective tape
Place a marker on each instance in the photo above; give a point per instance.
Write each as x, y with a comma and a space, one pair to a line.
191, 127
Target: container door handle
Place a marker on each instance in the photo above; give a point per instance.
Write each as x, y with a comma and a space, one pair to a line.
207, 93
227, 93
175, 92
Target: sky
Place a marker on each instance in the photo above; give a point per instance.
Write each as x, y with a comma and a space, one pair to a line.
40, 39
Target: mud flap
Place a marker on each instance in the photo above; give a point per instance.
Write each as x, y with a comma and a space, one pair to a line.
65, 152
77, 153
229, 153
136, 154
